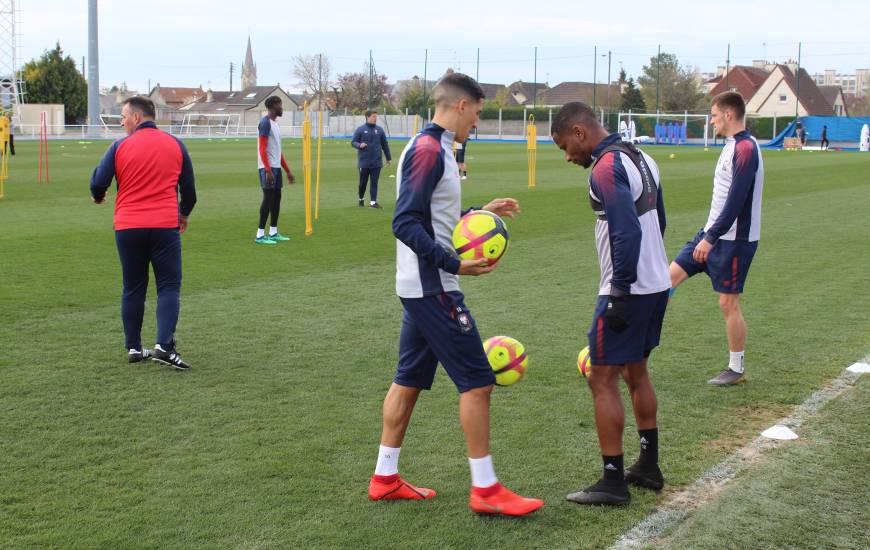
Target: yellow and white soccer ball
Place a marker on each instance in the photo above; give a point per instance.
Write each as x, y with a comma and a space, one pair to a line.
584, 363
508, 359
480, 235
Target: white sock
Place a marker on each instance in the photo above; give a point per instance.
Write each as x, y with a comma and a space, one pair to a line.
261, 233
388, 461
482, 472
736, 362
273, 230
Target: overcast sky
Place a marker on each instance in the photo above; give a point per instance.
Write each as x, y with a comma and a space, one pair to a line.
178, 43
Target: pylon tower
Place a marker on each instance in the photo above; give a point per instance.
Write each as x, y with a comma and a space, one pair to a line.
11, 83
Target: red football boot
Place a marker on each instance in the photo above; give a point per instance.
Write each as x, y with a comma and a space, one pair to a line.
394, 487
497, 499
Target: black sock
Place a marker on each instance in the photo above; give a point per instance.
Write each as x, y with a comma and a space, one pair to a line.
649, 446
613, 468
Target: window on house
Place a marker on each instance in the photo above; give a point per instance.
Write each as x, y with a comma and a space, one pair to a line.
783, 98
249, 96
221, 109
732, 89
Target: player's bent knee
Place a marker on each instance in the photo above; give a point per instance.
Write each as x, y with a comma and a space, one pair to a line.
729, 303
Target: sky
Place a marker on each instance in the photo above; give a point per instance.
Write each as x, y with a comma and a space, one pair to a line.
192, 43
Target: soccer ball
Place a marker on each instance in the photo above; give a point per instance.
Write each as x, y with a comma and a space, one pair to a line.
584, 364
480, 235
508, 359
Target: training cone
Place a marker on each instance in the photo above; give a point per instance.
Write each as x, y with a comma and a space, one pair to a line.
860, 368
779, 432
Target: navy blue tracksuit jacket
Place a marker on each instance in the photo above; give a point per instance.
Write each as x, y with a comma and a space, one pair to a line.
376, 143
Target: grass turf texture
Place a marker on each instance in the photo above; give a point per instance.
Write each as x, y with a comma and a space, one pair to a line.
270, 439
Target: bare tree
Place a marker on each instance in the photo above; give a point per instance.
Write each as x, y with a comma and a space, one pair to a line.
313, 73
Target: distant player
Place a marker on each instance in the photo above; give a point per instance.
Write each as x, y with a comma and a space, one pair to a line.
437, 326
270, 160
461, 149
824, 141
626, 196
370, 140
724, 248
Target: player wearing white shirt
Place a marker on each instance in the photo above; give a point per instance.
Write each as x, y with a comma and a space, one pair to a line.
724, 248
626, 196
437, 327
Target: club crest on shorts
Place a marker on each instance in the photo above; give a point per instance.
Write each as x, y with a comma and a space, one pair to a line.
464, 320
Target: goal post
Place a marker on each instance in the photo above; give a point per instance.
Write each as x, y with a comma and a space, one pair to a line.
666, 128
202, 124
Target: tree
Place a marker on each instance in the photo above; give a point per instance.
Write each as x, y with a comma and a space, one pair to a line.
352, 91
313, 73
54, 78
416, 103
678, 85
632, 99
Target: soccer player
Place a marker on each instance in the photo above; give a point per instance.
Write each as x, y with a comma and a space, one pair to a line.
437, 326
461, 149
151, 167
724, 248
270, 160
824, 140
370, 142
626, 196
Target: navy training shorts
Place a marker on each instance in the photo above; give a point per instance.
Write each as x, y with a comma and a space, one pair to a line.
646, 313
727, 264
440, 329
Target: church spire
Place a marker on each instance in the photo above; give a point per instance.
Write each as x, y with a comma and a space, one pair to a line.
249, 69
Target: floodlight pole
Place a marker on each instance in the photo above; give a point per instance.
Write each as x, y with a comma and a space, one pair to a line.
535, 85
727, 66
477, 70
608, 82
658, 75
594, 75
93, 69
797, 77
425, 69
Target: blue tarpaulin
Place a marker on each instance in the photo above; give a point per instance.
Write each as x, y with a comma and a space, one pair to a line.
840, 129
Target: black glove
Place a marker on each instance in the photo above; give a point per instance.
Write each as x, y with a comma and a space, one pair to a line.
616, 315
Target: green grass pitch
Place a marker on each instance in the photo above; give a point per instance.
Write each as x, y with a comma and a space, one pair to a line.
270, 439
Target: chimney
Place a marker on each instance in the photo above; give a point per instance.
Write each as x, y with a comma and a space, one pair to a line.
209, 96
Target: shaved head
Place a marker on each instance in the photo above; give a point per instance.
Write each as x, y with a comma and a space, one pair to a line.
454, 87
574, 113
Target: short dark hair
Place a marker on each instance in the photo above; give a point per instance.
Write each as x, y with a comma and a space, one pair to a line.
272, 100
733, 101
573, 113
142, 105
370, 112
455, 86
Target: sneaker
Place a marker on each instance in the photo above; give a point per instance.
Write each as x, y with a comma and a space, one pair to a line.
499, 500
277, 237
463, 178
264, 240
605, 492
135, 355
361, 203
375, 205
728, 377
643, 475
395, 488
170, 358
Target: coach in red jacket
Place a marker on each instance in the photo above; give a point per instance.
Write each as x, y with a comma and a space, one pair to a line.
152, 168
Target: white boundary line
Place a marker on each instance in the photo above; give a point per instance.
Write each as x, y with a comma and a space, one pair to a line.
713, 481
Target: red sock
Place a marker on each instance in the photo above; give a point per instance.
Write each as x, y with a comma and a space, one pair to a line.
486, 491
386, 479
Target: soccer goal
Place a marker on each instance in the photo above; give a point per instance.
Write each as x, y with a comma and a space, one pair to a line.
111, 124
199, 124
665, 128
